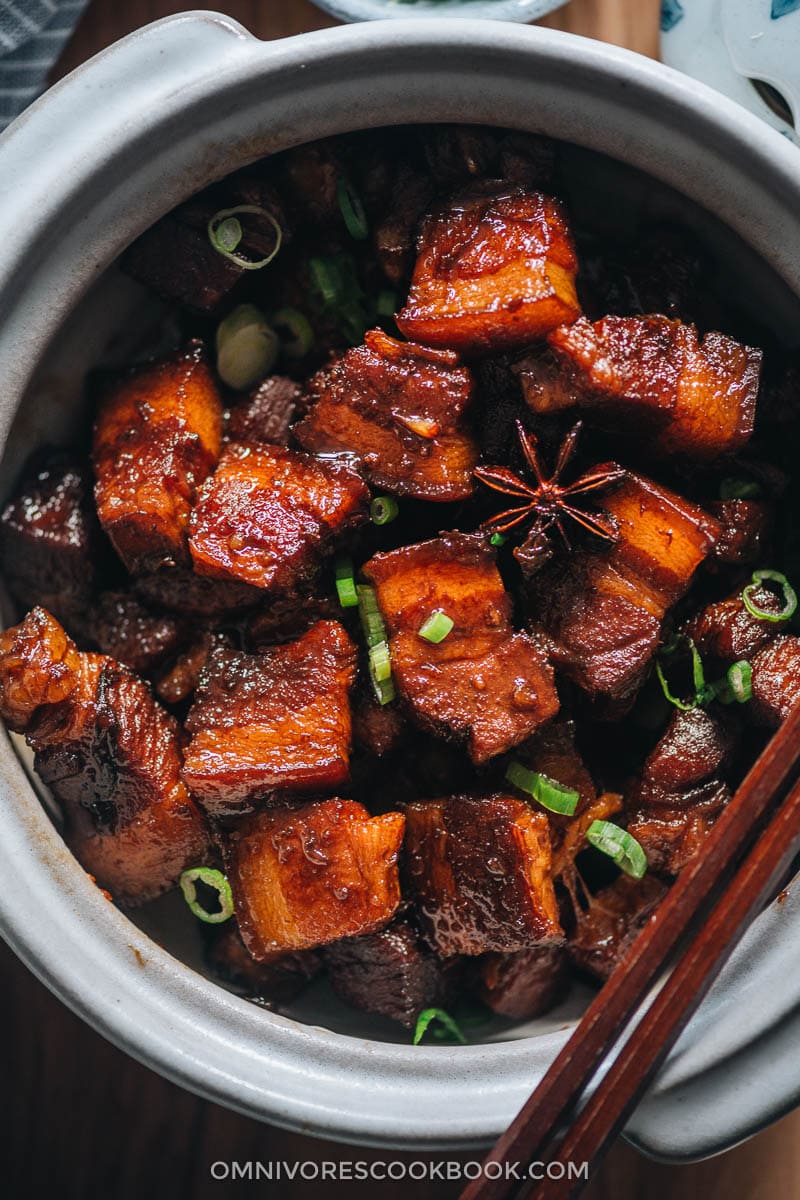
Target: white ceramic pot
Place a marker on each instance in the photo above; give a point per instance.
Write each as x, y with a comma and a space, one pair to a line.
95, 161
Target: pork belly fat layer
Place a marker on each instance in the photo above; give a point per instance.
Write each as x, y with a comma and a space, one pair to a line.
277, 979
495, 270
609, 927
483, 684
158, 434
303, 877
479, 872
726, 632
267, 514
279, 720
110, 755
524, 985
696, 397
400, 410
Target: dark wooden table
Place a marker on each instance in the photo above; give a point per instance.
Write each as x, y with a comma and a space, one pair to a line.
79, 1120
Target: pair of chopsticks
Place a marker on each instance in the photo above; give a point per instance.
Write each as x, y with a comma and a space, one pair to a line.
745, 858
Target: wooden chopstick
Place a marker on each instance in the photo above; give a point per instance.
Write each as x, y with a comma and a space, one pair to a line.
607, 1017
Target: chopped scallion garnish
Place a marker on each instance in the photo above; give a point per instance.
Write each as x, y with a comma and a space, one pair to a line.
225, 234
346, 584
739, 489
701, 692
619, 845
325, 279
371, 619
436, 628
380, 662
386, 303
546, 791
497, 539
450, 1029
352, 209
383, 509
295, 332
216, 881
740, 681
764, 614
246, 347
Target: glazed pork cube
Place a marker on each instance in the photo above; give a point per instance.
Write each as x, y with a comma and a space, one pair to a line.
694, 397
483, 683
400, 409
119, 625
495, 270
196, 597
746, 528
391, 973
726, 632
276, 980
524, 985
157, 436
396, 232
776, 680
267, 414
279, 720
479, 874
267, 514
681, 792
109, 754
609, 927
303, 877
178, 681
604, 611
49, 535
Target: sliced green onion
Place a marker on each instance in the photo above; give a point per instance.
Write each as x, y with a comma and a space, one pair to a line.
371, 619
739, 489
701, 691
225, 233
294, 329
740, 681
386, 303
546, 791
619, 845
215, 880
497, 539
325, 277
384, 690
247, 347
346, 584
352, 209
789, 597
436, 628
450, 1028
380, 662
383, 509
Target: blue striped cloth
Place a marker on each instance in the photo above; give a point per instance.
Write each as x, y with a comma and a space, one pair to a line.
32, 35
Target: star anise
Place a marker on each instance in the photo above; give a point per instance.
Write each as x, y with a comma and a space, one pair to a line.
547, 501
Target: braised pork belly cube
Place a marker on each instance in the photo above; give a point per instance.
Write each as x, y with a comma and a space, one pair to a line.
49, 535
495, 270
726, 632
119, 625
776, 680
267, 414
276, 980
180, 590
377, 728
609, 927
279, 720
157, 436
109, 754
400, 410
746, 527
604, 610
546, 387
524, 985
178, 681
694, 397
303, 877
673, 837
483, 683
267, 514
308, 179
390, 973
479, 874
396, 233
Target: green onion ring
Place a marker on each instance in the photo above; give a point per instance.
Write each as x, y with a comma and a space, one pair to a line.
383, 509
346, 583
301, 336
213, 879
619, 845
223, 216
551, 794
702, 692
436, 628
789, 597
352, 209
445, 1020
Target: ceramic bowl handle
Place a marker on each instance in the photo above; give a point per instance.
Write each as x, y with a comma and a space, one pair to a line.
748, 49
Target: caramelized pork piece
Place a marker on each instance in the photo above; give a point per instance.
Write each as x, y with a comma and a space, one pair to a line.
110, 755
283, 619
483, 684
659, 379
528, 159
726, 632
267, 414
681, 792
391, 973
400, 410
124, 629
277, 979
458, 154
604, 611
479, 873
303, 877
496, 269
546, 387
377, 728
157, 436
267, 514
276, 720
609, 927
746, 526
178, 682
396, 233
179, 590
523, 985
308, 177
776, 681
49, 536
